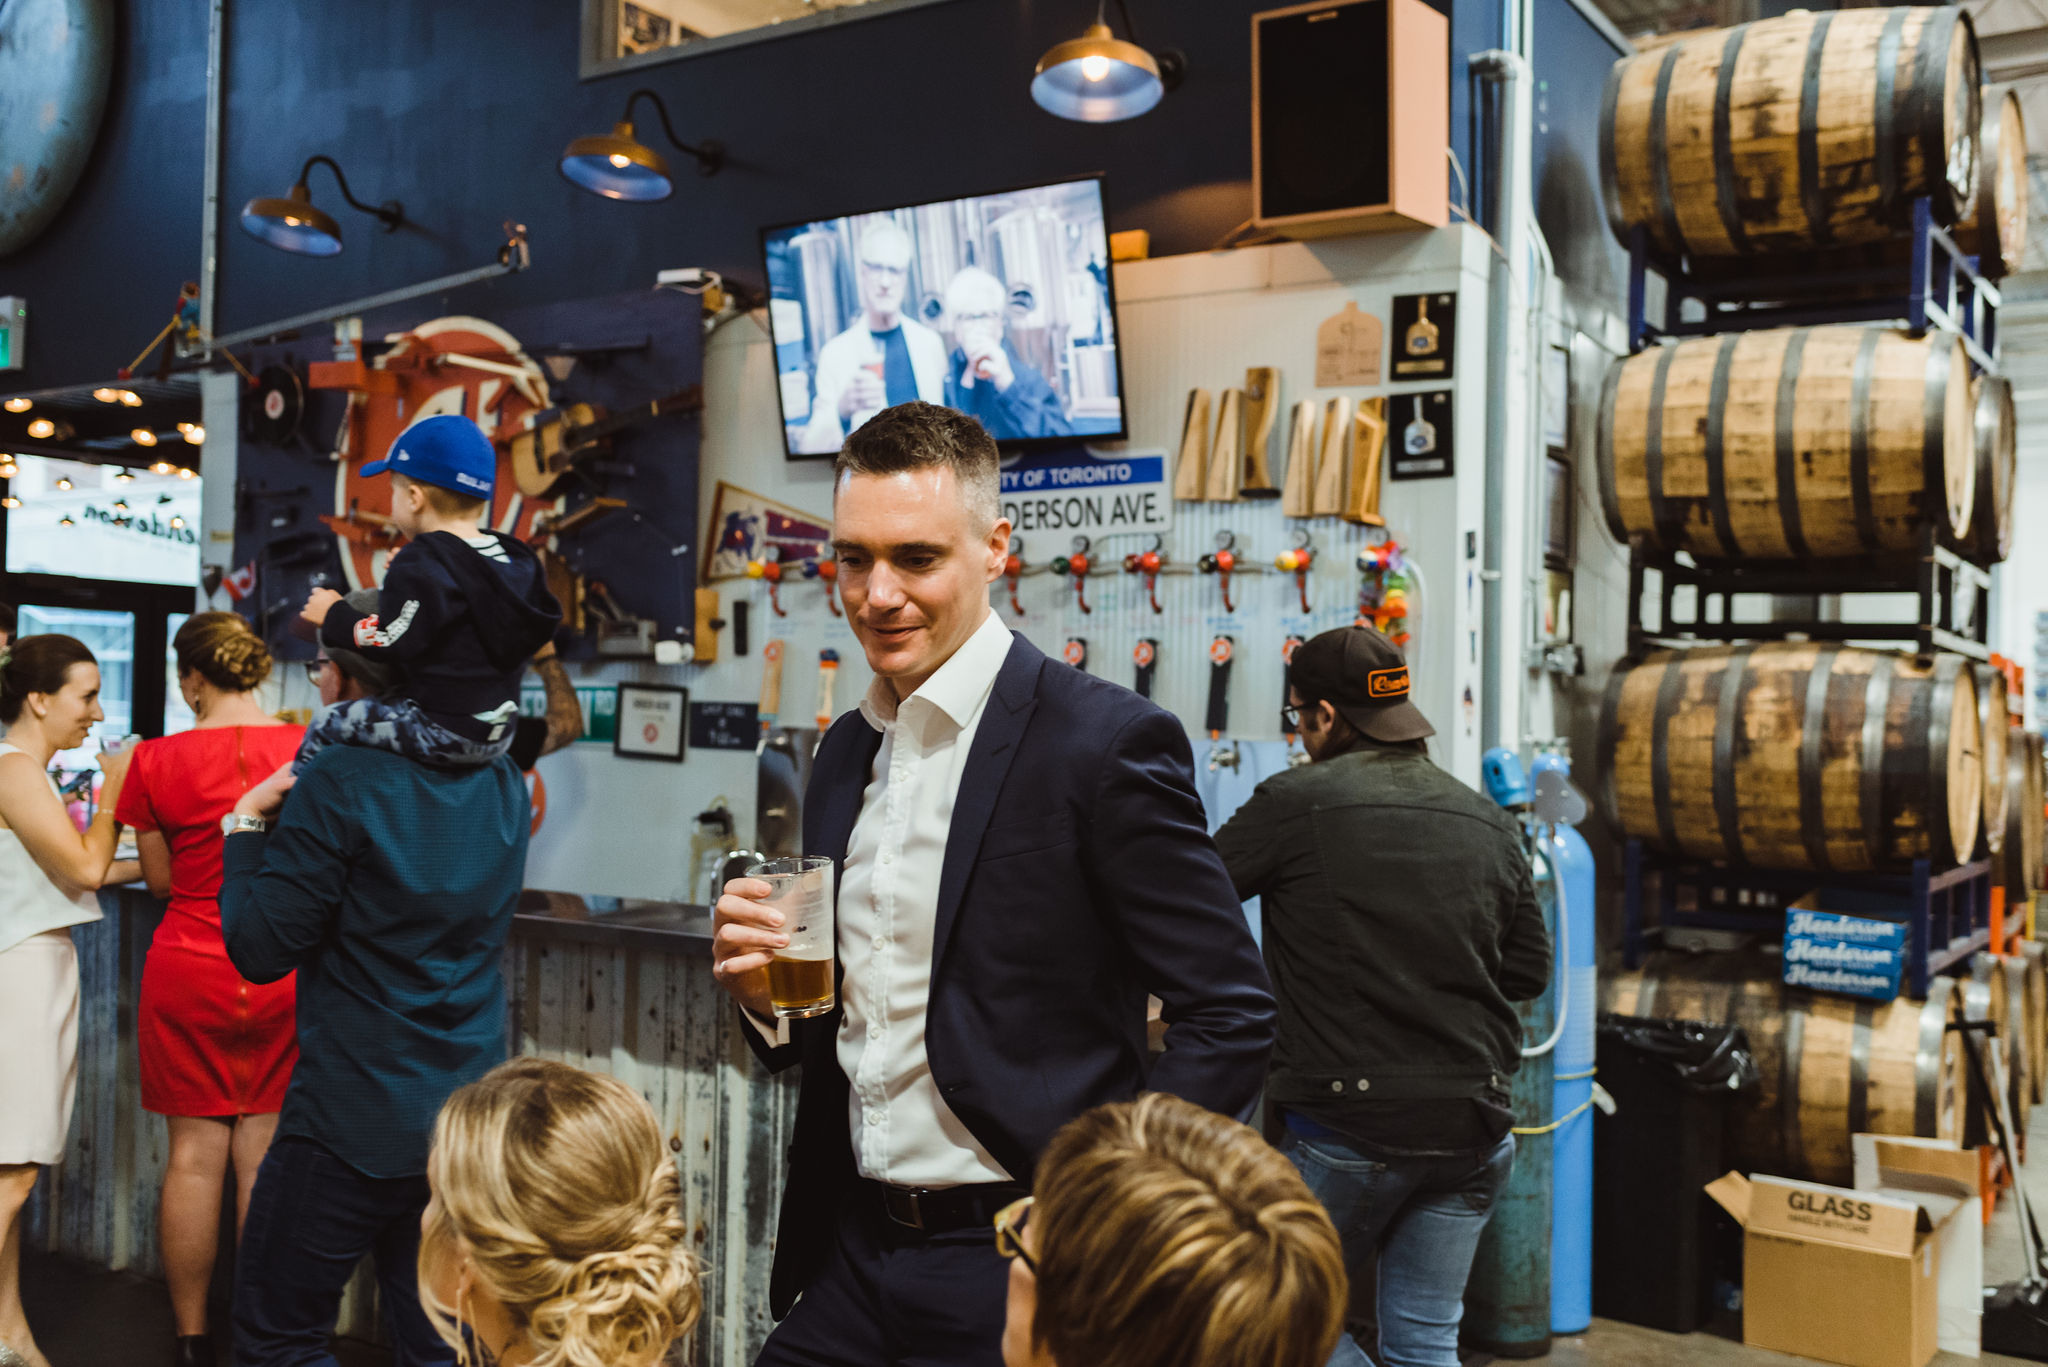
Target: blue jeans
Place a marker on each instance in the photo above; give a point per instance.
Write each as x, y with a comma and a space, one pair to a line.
312, 1218
1423, 1214
399, 726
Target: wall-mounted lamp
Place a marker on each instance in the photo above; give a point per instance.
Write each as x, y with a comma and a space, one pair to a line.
1100, 78
295, 224
618, 165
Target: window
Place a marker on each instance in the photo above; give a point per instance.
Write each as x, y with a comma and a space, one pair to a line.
90, 521
110, 636
618, 34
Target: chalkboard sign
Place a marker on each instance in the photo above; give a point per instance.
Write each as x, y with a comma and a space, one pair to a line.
725, 725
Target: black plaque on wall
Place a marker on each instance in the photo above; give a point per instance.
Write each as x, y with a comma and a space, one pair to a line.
1419, 435
1424, 333
725, 725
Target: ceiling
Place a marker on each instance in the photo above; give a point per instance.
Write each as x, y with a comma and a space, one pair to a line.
92, 429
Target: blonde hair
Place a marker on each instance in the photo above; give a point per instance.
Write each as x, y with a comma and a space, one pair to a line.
556, 1185
223, 650
1169, 1236
447, 502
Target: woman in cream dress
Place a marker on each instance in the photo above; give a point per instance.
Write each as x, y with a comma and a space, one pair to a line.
49, 875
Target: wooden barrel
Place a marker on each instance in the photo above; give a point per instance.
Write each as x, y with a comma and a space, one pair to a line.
1995, 447
1830, 1066
1996, 227
2024, 830
1995, 230
1995, 726
2035, 955
1794, 755
1789, 443
1789, 134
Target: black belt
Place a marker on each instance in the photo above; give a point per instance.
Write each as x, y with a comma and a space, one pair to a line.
941, 1210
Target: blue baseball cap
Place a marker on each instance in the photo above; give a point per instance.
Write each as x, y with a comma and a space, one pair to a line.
446, 451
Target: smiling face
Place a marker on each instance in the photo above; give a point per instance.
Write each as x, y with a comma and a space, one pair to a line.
915, 563
69, 713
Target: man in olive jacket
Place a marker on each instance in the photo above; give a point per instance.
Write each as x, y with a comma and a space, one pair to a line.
1400, 926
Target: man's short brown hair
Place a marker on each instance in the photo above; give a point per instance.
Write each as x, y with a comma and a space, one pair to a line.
919, 436
1169, 1236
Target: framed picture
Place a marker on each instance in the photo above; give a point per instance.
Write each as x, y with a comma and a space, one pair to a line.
653, 722
620, 34
1557, 517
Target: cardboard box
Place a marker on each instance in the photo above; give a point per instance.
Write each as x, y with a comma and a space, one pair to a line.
1833, 1274
1912, 1168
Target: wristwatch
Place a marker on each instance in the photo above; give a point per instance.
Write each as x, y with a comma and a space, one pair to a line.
242, 821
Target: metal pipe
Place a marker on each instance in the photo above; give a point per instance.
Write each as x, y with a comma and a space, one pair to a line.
512, 258
1508, 383
209, 227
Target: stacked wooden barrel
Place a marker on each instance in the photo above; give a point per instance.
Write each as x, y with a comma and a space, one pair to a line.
1829, 1067
1787, 159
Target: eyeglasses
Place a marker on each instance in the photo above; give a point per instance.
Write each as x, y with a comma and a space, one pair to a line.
1290, 716
1010, 1222
315, 668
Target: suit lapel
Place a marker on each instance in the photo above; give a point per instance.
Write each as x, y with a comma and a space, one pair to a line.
834, 797
1009, 709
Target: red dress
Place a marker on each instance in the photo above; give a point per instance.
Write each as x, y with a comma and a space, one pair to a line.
211, 1042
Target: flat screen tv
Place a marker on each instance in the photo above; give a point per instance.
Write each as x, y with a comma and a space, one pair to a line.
999, 305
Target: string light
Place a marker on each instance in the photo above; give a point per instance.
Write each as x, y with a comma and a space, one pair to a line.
162, 467
42, 429
19, 405
142, 436
194, 433
105, 395
130, 399
185, 473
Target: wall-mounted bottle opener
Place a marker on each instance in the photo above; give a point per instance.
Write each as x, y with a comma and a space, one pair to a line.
828, 574
1261, 408
1076, 564
1191, 475
1222, 562
1013, 570
769, 569
828, 671
1298, 561
1148, 563
1076, 653
1145, 659
771, 685
1221, 651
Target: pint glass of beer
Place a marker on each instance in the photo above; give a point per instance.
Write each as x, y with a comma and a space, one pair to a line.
800, 975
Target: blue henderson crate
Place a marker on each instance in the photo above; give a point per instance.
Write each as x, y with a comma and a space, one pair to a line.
1854, 930
1845, 967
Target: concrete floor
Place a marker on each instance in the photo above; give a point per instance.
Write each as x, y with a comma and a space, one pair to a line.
85, 1317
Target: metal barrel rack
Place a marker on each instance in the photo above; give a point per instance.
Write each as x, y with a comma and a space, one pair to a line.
1947, 913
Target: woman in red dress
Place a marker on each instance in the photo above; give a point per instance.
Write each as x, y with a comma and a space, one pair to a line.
216, 1050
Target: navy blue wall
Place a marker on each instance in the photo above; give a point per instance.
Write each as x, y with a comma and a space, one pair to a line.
461, 111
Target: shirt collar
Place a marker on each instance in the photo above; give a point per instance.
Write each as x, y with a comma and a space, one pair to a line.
957, 688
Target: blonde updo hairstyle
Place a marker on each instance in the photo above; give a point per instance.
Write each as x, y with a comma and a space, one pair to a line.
556, 1186
222, 649
1170, 1236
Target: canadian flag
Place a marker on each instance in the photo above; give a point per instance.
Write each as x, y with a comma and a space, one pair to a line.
241, 583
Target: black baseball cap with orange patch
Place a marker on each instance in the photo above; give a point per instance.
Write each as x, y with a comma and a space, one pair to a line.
1364, 676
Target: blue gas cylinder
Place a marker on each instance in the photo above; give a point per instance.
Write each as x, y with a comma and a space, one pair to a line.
1574, 943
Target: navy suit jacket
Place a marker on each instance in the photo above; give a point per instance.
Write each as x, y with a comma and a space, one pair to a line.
1078, 878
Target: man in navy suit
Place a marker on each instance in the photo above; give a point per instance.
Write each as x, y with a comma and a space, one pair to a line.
1022, 859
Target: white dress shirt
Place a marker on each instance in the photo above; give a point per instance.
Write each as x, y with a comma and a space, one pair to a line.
903, 1130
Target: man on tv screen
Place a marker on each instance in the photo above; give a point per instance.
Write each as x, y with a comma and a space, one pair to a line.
988, 380
884, 359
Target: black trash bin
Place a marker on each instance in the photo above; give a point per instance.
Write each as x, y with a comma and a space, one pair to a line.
1658, 1240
